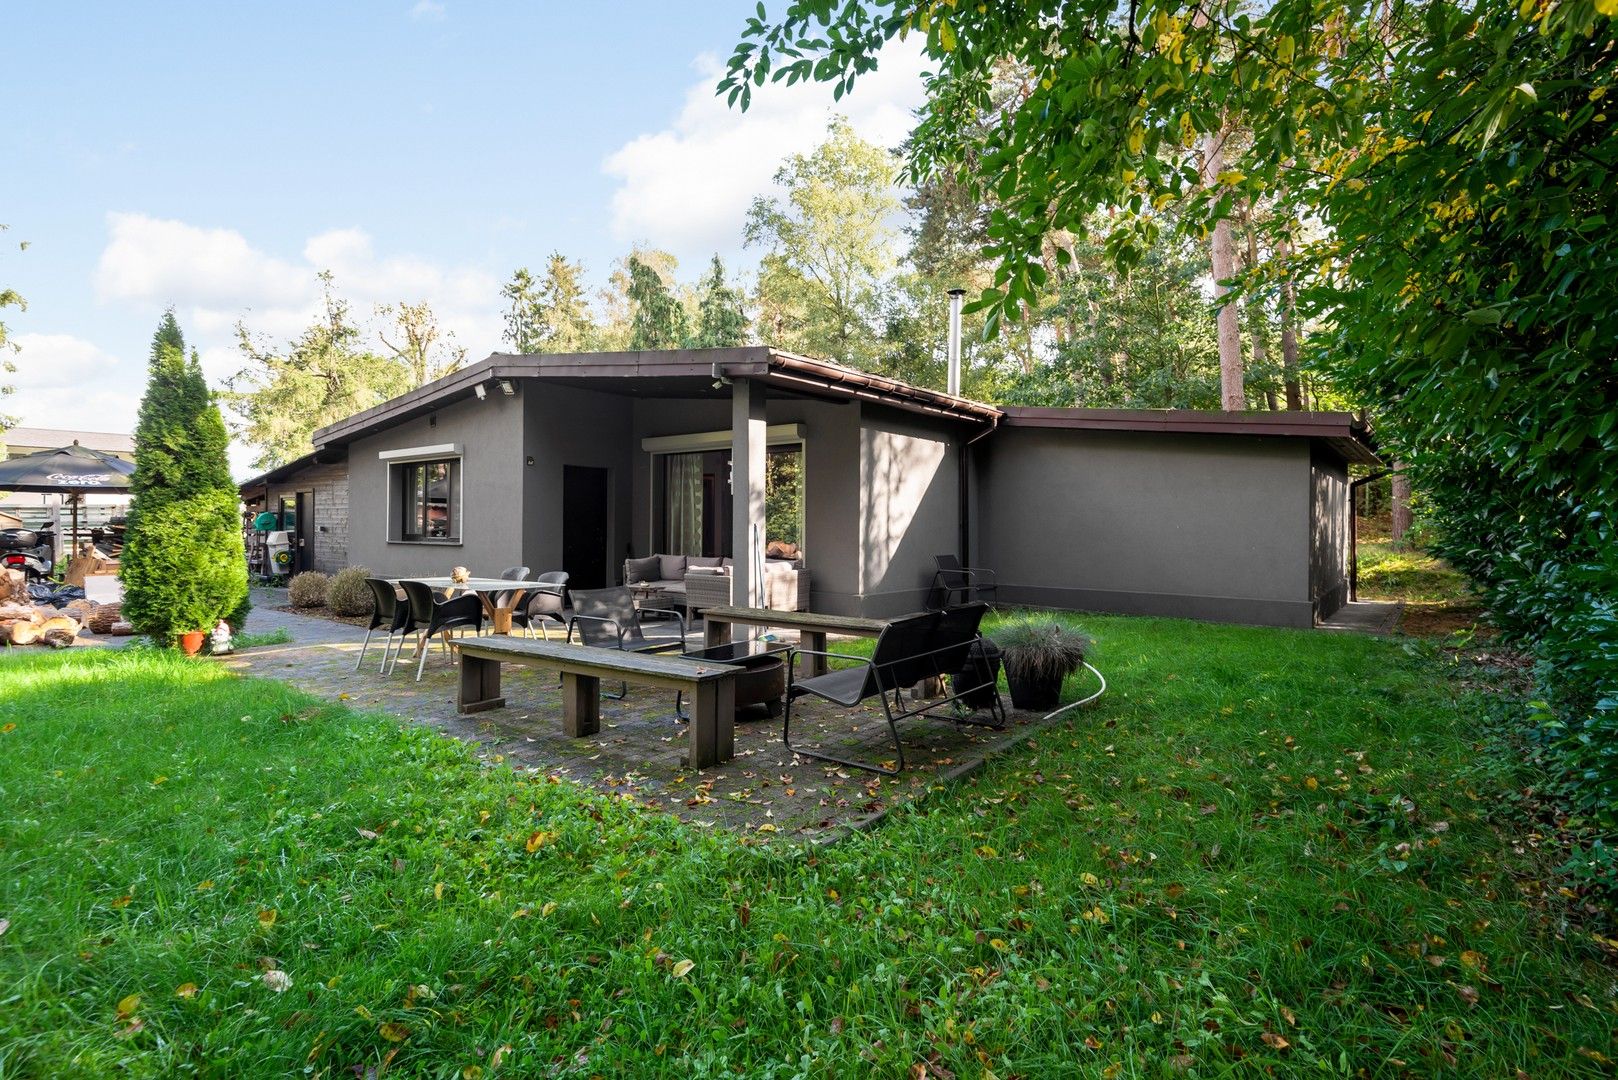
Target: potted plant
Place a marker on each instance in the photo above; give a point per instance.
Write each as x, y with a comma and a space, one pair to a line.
191, 642
1038, 654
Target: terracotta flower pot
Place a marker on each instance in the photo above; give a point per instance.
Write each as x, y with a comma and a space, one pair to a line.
191, 642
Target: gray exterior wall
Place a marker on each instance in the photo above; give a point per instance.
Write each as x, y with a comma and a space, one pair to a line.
328, 487
491, 435
909, 509
566, 426
1205, 527
1328, 532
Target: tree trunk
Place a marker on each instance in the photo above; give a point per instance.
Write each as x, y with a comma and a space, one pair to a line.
1289, 330
1255, 311
1400, 505
1232, 394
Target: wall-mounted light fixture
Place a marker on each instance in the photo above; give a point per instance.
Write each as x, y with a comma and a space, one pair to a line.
506, 388
480, 390
529, 460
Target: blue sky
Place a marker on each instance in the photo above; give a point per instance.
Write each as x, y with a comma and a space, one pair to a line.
213, 157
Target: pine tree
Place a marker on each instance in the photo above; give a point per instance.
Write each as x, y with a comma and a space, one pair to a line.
721, 322
182, 565
659, 320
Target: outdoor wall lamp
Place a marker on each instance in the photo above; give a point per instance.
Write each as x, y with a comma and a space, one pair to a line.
480, 390
506, 388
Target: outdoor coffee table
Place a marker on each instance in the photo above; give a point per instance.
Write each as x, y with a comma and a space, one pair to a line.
763, 680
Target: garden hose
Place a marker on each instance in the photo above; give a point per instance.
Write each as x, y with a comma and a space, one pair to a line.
1081, 701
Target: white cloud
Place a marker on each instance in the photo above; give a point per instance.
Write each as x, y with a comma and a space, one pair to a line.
687, 187
215, 278
66, 382
427, 11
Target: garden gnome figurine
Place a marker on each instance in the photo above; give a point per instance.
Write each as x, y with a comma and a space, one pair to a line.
221, 638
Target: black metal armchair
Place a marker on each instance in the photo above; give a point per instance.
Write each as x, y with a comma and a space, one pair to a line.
433, 616
954, 584
385, 611
914, 649
608, 619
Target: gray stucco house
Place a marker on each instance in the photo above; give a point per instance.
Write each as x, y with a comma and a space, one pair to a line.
577, 462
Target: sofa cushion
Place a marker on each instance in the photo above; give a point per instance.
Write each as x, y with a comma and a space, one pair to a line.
708, 571
673, 567
702, 560
638, 570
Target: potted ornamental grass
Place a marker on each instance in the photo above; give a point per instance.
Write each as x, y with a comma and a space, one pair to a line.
1038, 654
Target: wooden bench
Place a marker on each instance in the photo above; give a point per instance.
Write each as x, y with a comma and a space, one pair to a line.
711, 686
812, 629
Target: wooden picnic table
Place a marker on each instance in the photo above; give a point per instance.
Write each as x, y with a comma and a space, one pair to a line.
812, 629
711, 685
488, 589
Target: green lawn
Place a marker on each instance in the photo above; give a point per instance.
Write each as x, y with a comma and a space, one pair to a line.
1263, 850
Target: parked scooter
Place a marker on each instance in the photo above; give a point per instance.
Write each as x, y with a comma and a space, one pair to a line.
28, 550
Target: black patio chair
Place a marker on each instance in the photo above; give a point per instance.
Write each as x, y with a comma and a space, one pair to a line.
510, 573
970, 582
544, 605
911, 650
385, 611
433, 616
608, 619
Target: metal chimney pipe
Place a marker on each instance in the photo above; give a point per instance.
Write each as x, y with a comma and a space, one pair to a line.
955, 296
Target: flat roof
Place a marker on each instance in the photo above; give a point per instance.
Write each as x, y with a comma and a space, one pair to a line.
663, 373
1342, 431
109, 442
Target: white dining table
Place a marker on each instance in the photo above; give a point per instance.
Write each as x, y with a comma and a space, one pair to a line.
489, 590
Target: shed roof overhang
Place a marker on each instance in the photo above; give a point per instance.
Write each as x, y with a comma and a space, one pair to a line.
259, 486
1340, 431
663, 373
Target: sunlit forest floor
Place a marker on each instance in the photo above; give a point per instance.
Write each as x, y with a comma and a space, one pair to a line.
1438, 601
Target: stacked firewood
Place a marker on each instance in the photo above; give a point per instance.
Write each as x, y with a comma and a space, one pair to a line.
25, 623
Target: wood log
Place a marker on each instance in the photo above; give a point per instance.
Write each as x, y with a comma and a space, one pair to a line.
66, 623
121, 629
13, 587
58, 639
23, 632
103, 616
11, 612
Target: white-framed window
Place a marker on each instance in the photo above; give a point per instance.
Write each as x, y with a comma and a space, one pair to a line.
424, 495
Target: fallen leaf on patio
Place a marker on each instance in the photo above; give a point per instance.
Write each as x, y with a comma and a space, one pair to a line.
128, 1005
394, 1032
683, 968
278, 981
1274, 1041
266, 918
766, 827
186, 990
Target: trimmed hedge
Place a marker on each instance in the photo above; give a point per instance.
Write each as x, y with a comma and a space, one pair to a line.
348, 594
308, 589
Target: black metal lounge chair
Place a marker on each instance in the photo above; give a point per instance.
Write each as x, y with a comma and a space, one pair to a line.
913, 649
544, 605
385, 611
608, 619
433, 616
956, 584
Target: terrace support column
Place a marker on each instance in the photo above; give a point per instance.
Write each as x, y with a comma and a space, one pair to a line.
747, 456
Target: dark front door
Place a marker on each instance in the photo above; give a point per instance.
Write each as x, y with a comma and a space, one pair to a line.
584, 526
304, 539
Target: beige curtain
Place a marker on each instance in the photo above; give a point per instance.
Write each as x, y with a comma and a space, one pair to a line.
685, 504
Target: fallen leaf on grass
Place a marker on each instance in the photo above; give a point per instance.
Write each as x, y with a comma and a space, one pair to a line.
498, 1056
278, 981
7, 729
545, 912
186, 990
122, 901
366, 834
1472, 959
266, 918
1468, 994
539, 839
1274, 1041
394, 1032
5, 924
127, 1007
683, 968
